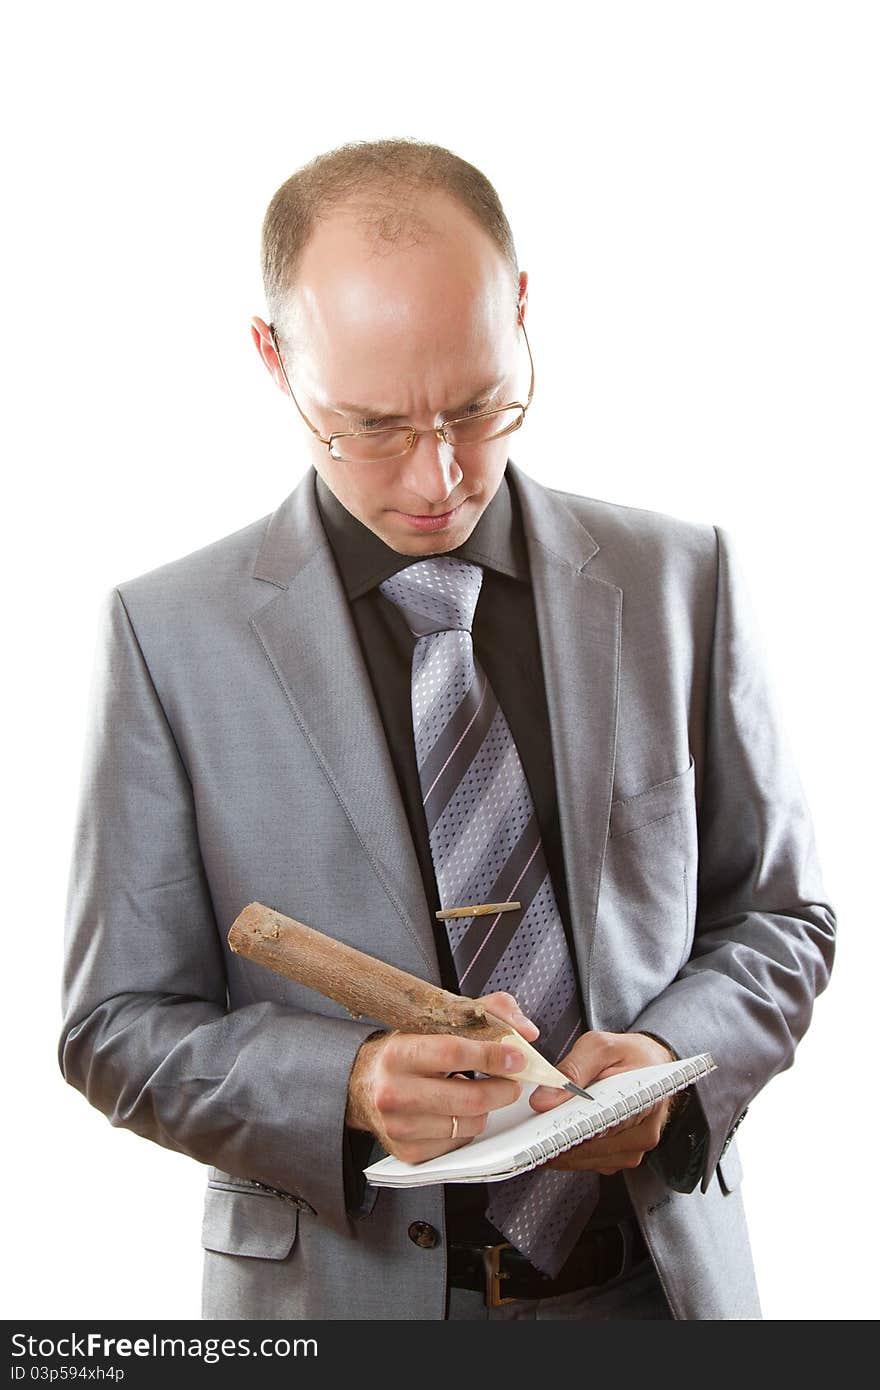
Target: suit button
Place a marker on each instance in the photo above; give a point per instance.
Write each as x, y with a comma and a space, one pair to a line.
421, 1233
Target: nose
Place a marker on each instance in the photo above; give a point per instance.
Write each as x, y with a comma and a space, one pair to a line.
430, 470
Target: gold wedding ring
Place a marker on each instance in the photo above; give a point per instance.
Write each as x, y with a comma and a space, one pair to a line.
475, 910
454, 1134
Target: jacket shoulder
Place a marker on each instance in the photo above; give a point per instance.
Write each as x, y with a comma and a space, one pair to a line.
638, 539
223, 565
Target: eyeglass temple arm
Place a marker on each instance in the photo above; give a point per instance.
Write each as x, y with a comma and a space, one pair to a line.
531, 360
316, 432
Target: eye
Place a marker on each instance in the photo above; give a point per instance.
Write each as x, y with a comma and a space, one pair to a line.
474, 409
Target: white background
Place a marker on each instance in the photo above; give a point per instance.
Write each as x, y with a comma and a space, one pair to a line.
693, 189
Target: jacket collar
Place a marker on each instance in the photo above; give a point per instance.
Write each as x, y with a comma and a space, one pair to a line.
296, 529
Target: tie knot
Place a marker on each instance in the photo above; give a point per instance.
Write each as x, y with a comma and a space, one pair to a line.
436, 594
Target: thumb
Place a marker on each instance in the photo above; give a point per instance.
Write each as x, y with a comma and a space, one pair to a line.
582, 1064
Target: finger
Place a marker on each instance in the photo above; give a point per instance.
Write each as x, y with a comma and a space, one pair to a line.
406, 1094
615, 1149
414, 1129
630, 1135
622, 1127
598, 1055
546, 1097
641, 1132
504, 1005
438, 1054
591, 1055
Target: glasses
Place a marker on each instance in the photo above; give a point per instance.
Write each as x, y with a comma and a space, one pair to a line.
374, 446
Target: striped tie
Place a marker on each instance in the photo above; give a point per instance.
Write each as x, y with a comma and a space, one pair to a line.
486, 847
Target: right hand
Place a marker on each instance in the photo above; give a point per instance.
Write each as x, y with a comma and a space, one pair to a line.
405, 1087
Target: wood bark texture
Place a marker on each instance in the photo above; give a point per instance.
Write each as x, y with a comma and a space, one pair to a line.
371, 988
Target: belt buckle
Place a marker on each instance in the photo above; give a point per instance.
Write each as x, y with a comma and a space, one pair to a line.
494, 1275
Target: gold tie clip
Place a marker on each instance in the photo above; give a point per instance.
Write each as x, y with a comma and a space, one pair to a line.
475, 910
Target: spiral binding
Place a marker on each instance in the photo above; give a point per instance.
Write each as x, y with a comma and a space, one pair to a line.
590, 1126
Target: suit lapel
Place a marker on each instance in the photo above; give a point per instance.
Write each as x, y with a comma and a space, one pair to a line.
308, 635
579, 626
309, 638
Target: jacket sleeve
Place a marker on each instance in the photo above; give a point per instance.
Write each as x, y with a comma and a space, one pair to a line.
259, 1091
764, 937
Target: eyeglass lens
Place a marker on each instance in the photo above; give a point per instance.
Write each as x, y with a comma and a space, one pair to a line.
373, 445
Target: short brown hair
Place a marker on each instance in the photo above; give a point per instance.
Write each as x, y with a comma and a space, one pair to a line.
383, 179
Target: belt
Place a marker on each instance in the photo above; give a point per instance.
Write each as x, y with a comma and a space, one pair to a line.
503, 1275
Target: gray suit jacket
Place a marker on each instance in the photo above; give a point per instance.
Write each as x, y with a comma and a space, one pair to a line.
235, 753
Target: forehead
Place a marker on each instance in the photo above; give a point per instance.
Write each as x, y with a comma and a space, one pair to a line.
362, 307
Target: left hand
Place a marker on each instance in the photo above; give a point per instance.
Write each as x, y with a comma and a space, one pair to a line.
594, 1056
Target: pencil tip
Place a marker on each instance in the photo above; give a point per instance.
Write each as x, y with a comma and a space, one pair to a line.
578, 1090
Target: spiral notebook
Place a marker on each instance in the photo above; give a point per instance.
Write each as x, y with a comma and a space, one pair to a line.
517, 1138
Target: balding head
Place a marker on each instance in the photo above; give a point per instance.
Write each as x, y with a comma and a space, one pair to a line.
406, 327
386, 183
403, 314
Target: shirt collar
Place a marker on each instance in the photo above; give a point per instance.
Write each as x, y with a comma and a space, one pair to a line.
364, 560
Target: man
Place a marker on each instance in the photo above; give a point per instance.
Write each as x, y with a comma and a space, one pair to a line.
427, 682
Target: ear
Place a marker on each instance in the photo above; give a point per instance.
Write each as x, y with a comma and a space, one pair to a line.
262, 336
523, 298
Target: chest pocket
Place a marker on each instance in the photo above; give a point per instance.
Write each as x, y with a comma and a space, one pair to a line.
651, 806
239, 1219
647, 899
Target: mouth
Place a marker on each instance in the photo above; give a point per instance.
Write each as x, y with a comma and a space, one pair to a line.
431, 521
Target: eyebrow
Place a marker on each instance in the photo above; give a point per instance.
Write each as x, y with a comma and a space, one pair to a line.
366, 412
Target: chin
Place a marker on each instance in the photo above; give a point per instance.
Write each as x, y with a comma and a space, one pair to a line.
434, 542
422, 545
